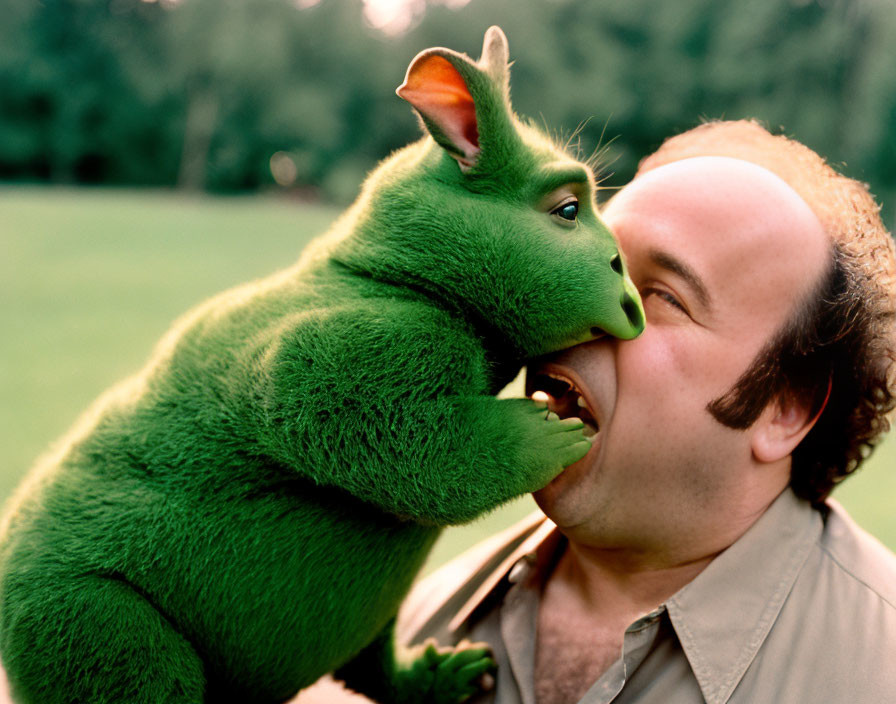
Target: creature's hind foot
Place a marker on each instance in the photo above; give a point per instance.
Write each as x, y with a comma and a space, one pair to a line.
94, 639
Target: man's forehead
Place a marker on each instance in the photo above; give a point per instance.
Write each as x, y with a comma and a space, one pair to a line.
734, 196
738, 226
719, 180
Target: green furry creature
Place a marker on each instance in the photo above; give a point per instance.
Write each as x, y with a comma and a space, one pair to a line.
246, 514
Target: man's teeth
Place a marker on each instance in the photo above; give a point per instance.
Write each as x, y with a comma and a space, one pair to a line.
540, 396
590, 428
564, 406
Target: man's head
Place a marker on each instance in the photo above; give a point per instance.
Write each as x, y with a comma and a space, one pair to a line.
841, 345
731, 260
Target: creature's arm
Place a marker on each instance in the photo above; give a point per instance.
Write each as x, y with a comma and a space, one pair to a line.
389, 403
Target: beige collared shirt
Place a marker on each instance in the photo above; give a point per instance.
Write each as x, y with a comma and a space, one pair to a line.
801, 609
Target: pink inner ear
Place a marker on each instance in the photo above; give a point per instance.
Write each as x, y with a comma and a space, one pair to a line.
436, 89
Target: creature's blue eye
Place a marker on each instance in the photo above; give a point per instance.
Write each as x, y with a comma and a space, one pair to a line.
568, 211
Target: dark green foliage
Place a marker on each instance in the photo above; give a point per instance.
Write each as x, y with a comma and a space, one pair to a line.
202, 93
246, 513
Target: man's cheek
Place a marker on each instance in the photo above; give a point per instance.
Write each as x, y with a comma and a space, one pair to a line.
651, 363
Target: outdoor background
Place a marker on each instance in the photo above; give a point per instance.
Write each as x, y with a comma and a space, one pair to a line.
153, 153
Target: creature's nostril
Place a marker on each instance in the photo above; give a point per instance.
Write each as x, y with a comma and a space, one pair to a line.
632, 311
616, 263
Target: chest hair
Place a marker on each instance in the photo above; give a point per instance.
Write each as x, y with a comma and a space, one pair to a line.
571, 654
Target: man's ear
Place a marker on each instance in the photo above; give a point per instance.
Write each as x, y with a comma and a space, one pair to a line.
780, 428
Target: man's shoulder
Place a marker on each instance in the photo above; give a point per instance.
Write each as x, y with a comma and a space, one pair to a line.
859, 557
847, 593
834, 635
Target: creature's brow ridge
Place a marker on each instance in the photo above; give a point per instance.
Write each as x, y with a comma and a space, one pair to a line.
558, 176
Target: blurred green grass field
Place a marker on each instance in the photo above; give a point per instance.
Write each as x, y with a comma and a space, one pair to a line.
90, 279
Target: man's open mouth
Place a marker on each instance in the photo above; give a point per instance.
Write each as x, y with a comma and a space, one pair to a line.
564, 398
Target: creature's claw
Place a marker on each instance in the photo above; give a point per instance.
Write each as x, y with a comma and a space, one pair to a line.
550, 443
444, 675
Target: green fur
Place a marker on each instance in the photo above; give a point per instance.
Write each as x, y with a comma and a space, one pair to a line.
247, 513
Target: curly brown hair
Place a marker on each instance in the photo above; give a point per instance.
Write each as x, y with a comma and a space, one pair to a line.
841, 345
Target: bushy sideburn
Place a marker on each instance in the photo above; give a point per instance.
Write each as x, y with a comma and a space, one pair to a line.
820, 359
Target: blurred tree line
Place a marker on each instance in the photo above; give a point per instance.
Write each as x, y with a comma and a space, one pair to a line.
202, 94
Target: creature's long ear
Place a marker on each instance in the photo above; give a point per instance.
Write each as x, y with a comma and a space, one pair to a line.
495, 55
452, 93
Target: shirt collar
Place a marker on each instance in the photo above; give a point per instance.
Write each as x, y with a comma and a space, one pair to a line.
540, 542
723, 616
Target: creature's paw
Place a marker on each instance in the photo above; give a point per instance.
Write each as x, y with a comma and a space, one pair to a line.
550, 444
444, 675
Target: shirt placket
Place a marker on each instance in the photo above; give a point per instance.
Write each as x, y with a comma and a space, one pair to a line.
518, 624
636, 643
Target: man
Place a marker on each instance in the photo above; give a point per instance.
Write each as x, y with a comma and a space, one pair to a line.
691, 555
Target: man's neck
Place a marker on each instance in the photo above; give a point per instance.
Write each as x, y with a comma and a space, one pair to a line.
588, 601
617, 588
634, 577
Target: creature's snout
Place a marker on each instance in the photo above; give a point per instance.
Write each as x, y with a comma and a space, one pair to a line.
631, 306
623, 317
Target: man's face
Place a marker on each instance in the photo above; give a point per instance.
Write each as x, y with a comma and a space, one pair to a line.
723, 253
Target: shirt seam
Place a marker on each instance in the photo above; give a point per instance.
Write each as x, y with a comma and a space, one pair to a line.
854, 576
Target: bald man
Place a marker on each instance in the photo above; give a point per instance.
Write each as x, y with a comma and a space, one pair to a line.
693, 555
